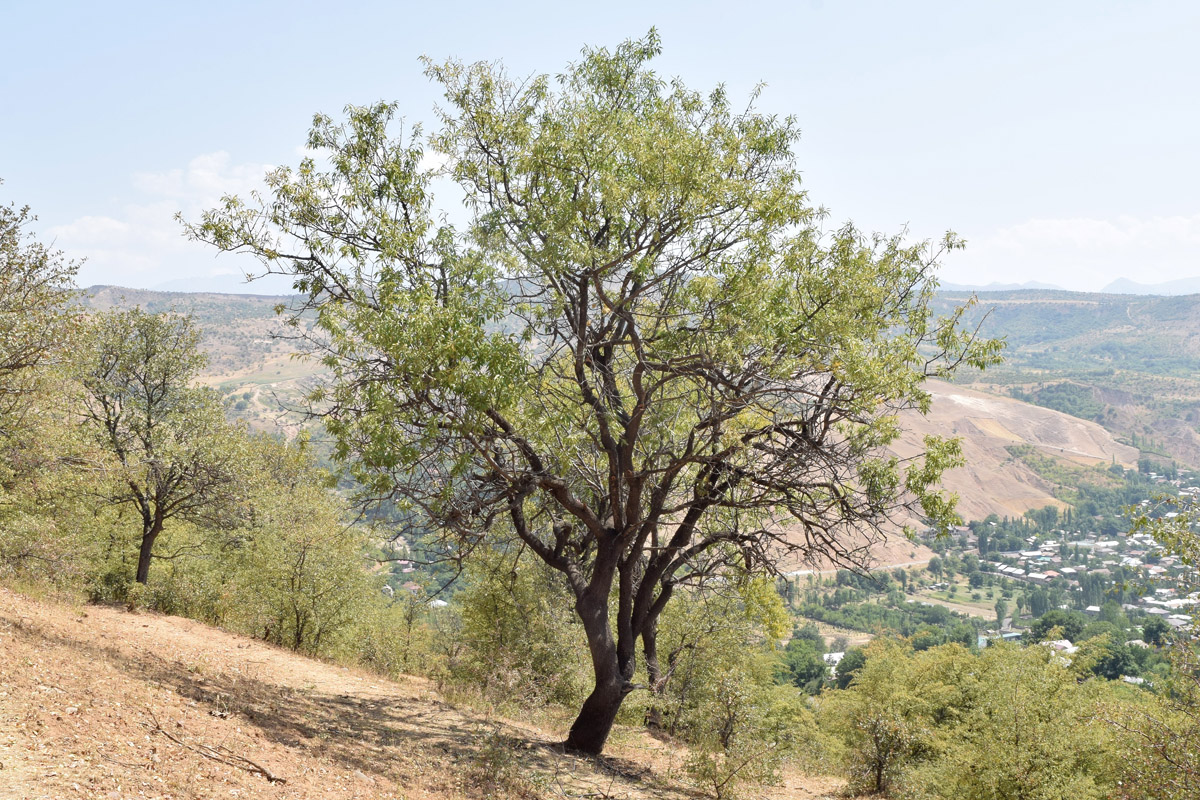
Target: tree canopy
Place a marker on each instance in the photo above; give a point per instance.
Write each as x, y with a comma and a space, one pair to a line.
174, 455
35, 285
643, 358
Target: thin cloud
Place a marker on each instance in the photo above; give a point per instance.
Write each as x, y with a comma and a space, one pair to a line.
140, 244
1083, 253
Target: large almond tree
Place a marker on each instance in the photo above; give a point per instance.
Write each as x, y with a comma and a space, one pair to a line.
641, 355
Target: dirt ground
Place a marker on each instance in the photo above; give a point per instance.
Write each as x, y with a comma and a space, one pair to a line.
97, 702
961, 608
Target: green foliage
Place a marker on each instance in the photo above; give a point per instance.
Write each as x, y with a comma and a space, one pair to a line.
848, 667
1058, 624
1161, 735
1069, 398
1026, 729
1092, 491
1162, 758
293, 573
804, 665
751, 730
37, 331
886, 716
520, 640
169, 452
1008, 723
901, 618
36, 284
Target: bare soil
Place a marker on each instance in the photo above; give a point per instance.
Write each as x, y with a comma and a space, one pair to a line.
992, 482
97, 702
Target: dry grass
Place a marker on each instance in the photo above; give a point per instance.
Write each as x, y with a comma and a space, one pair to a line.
96, 702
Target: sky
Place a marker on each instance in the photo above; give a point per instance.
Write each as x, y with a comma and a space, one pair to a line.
1060, 139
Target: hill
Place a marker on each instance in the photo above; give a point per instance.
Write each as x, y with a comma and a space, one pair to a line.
993, 482
1130, 363
251, 357
96, 702
260, 377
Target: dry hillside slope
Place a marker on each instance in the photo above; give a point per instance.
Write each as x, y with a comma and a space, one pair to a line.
992, 482
96, 702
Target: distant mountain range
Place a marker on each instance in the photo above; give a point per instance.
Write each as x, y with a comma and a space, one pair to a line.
1168, 288
1180, 286
995, 287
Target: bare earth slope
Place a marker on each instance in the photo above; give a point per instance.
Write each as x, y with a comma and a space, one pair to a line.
992, 482
99, 703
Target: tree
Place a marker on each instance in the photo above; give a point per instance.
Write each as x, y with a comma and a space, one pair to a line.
1070, 625
35, 285
886, 717
295, 571
1164, 760
804, 664
852, 661
1026, 731
1039, 602
1155, 631
175, 456
35, 326
1001, 612
643, 358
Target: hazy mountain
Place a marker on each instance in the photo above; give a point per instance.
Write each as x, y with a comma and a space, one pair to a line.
1128, 362
1168, 288
995, 287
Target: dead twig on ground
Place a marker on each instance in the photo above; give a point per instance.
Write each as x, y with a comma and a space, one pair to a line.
218, 753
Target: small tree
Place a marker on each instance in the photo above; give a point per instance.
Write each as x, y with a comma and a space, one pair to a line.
643, 359
1164, 760
35, 285
173, 454
886, 717
297, 573
35, 326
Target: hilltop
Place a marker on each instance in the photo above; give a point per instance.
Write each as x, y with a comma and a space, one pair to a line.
1130, 363
99, 702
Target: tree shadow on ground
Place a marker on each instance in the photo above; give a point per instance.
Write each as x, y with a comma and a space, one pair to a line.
383, 732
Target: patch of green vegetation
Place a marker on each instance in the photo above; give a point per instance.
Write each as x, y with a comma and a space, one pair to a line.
1069, 398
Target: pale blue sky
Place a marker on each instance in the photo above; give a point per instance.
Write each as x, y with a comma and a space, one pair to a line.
1059, 138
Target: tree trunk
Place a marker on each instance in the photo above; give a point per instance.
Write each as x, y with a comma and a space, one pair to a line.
658, 681
590, 730
148, 536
